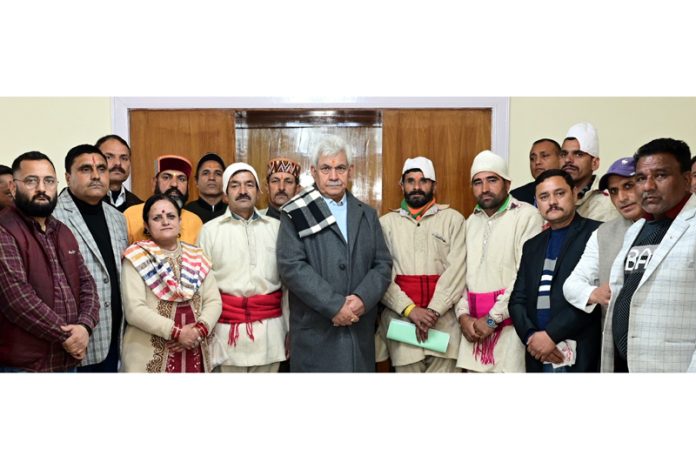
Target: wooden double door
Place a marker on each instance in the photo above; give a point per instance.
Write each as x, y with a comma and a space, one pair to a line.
451, 138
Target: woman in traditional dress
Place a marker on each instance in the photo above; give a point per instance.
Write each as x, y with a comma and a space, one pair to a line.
171, 301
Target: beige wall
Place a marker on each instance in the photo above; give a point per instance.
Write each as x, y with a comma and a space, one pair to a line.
52, 126
623, 125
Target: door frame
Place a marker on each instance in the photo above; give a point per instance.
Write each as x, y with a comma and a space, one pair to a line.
499, 106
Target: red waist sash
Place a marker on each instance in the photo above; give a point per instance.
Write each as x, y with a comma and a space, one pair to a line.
420, 288
480, 304
247, 309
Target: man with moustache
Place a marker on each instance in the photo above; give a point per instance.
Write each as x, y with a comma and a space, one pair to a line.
49, 302
118, 156
545, 154
100, 230
588, 285
651, 319
580, 158
172, 174
693, 175
333, 259
251, 332
427, 243
495, 233
283, 181
209, 181
7, 187
553, 330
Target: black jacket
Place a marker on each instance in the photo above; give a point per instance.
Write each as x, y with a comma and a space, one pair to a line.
566, 322
525, 193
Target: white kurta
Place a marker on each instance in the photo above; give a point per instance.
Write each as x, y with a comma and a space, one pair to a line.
243, 253
435, 245
494, 250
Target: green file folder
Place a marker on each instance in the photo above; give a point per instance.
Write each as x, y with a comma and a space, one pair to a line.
404, 331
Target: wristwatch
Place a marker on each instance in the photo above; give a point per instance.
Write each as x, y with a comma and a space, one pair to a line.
490, 322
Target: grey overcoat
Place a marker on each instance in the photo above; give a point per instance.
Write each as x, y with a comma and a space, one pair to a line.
319, 271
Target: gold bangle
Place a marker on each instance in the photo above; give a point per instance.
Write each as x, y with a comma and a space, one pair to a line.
408, 309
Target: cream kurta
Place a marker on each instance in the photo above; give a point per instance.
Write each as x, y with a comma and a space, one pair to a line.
145, 324
494, 249
243, 253
435, 245
595, 204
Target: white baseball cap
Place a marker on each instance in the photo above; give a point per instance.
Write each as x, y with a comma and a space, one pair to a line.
421, 163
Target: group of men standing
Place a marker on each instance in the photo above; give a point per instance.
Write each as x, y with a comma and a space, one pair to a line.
532, 280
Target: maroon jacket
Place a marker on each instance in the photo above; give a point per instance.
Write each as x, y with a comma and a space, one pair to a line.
30, 335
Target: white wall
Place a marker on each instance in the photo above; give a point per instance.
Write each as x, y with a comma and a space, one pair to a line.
52, 126
623, 125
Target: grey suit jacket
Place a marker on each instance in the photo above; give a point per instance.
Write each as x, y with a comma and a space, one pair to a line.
662, 322
67, 212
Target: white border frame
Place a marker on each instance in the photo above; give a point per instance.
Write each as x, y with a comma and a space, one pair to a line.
500, 109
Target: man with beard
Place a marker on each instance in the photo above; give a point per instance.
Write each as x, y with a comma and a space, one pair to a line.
6, 186
283, 181
100, 231
580, 158
251, 332
651, 319
209, 181
495, 233
50, 303
118, 156
428, 246
333, 259
545, 154
554, 331
588, 285
171, 178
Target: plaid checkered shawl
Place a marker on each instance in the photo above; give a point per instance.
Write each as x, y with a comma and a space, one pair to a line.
150, 262
309, 212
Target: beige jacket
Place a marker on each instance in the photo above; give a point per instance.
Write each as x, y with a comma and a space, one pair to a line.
243, 253
435, 245
595, 204
149, 321
494, 250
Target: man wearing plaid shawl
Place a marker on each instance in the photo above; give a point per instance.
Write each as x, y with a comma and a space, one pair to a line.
336, 265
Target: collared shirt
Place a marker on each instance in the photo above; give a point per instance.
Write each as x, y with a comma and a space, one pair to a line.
340, 211
501, 209
120, 198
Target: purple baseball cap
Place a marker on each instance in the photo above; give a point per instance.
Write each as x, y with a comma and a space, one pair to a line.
625, 167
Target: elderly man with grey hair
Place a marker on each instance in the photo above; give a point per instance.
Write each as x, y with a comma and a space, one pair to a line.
336, 265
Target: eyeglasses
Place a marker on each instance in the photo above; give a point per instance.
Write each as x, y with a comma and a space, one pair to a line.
33, 181
340, 169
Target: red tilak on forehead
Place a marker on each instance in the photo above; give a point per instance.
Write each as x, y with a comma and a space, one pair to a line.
94, 161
